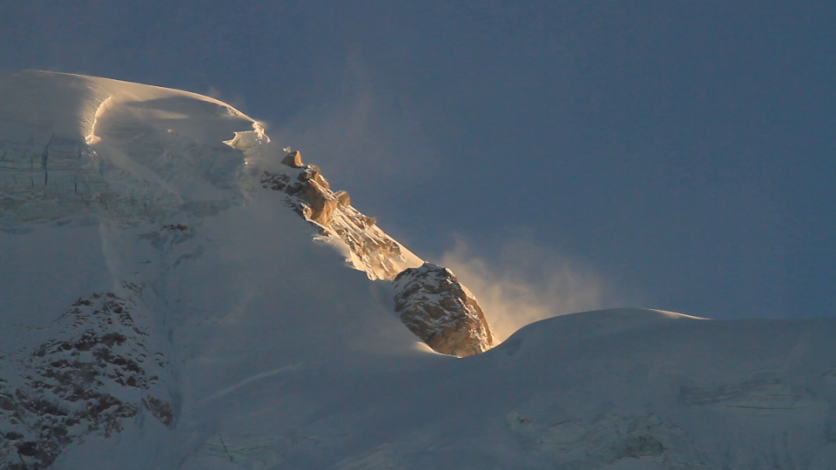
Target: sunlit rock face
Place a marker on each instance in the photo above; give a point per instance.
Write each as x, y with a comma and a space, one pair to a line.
293, 159
430, 300
309, 194
435, 306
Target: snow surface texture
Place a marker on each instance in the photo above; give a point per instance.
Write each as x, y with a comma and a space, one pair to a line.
247, 346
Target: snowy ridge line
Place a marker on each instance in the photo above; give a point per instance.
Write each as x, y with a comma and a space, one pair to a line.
92, 138
125, 152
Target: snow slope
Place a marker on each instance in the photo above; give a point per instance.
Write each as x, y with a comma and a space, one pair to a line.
159, 309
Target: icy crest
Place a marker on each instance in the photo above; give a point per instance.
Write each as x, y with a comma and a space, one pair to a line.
73, 145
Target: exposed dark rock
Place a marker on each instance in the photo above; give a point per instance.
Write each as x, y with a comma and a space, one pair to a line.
274, 181
83, 382
160, 409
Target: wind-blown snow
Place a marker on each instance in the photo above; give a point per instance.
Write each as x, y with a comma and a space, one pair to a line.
277, 355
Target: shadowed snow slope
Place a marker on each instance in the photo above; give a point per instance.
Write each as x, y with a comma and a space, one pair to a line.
159, 309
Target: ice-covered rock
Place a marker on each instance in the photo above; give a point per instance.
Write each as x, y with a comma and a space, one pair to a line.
435, 306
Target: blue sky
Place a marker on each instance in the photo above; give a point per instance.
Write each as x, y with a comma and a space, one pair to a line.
683, 151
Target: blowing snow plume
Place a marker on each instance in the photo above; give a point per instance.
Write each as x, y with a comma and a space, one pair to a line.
367, 137
526, 282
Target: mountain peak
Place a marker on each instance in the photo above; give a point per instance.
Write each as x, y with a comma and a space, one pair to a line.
132, 154
180, 292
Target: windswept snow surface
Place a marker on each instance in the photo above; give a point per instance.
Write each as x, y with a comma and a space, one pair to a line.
272, 353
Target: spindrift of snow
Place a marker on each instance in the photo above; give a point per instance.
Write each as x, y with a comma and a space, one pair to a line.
180, 292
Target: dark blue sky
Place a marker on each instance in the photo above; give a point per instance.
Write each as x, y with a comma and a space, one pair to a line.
686, 150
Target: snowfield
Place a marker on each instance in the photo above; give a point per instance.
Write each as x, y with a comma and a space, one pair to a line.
160, 309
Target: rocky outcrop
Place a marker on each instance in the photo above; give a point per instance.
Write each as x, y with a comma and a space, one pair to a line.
315, 191
293, 159
435, 306
96, 374
309, 194
430, 300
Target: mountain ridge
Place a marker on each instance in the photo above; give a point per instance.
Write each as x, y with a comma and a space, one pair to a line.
255, 340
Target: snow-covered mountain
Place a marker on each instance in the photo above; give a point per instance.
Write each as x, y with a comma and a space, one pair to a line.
180, 292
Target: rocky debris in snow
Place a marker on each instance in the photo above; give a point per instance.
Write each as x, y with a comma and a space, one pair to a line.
435, 306
274, 181
293, 159
96, 373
